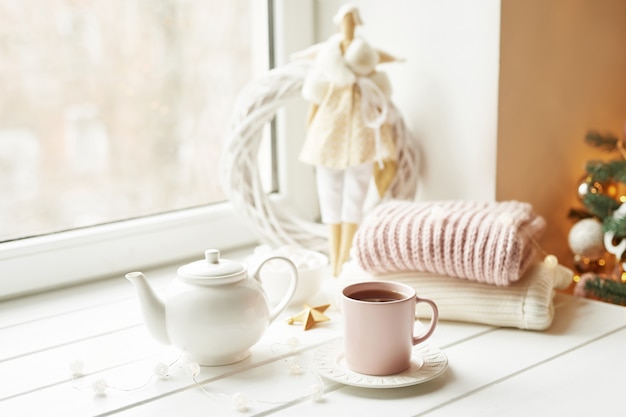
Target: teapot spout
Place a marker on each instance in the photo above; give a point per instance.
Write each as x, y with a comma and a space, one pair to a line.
152, 308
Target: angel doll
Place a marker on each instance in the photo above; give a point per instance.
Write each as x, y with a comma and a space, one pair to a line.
349, 137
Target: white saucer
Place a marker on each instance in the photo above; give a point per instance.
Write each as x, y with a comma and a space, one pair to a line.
427, 363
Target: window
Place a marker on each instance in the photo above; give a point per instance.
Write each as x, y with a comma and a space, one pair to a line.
113, 109
113, 115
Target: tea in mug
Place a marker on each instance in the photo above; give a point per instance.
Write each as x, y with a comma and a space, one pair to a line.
377, 296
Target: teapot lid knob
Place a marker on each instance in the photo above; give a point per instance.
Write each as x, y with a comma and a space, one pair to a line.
212, 256
212, 269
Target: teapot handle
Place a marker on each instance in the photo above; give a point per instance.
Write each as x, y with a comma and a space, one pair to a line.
290, 291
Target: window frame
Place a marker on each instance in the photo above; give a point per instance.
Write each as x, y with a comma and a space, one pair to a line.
65, 258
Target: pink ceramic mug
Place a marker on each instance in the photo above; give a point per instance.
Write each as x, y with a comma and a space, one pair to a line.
379, 319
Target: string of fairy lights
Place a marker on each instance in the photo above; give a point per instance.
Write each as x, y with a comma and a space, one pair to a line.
239, 401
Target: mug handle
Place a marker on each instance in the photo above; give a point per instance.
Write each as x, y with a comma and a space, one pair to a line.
433, 320
290, 291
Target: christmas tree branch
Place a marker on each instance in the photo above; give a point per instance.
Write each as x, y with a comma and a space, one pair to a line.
618, 170
600, 205
578, 214
599, 171
615, 225
607, 290
608, 143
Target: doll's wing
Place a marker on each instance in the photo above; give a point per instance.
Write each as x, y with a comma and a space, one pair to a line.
309, 53
386, 57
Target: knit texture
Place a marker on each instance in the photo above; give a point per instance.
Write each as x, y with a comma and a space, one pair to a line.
489, 242
526, 304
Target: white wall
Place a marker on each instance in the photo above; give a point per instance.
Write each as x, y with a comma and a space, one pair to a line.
447, 89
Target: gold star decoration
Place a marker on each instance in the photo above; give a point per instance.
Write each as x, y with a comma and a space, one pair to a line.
310, 316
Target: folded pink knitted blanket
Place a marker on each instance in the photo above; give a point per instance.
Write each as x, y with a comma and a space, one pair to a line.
489, 242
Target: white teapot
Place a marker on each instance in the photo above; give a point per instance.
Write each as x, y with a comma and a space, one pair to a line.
214, 311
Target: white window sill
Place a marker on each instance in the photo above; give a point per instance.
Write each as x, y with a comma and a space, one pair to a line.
100, 324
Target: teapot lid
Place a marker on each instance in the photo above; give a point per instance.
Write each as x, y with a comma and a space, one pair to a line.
212, 269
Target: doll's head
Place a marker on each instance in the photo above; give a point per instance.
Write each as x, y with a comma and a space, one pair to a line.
347, 10
347, 18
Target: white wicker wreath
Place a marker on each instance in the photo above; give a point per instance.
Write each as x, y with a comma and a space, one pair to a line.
257, 105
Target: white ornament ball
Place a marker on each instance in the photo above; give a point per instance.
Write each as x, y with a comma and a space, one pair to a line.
586, 238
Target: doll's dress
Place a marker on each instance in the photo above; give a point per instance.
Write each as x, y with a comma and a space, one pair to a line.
338, 136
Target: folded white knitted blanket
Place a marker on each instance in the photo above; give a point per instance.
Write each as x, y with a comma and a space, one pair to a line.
490, 242
525, 304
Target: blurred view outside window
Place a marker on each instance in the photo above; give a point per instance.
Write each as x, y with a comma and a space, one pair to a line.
115, 109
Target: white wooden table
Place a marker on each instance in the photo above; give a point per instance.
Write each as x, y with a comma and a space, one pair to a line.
576, 368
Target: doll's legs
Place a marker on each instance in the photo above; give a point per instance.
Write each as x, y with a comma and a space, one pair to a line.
342, 193
329, 188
